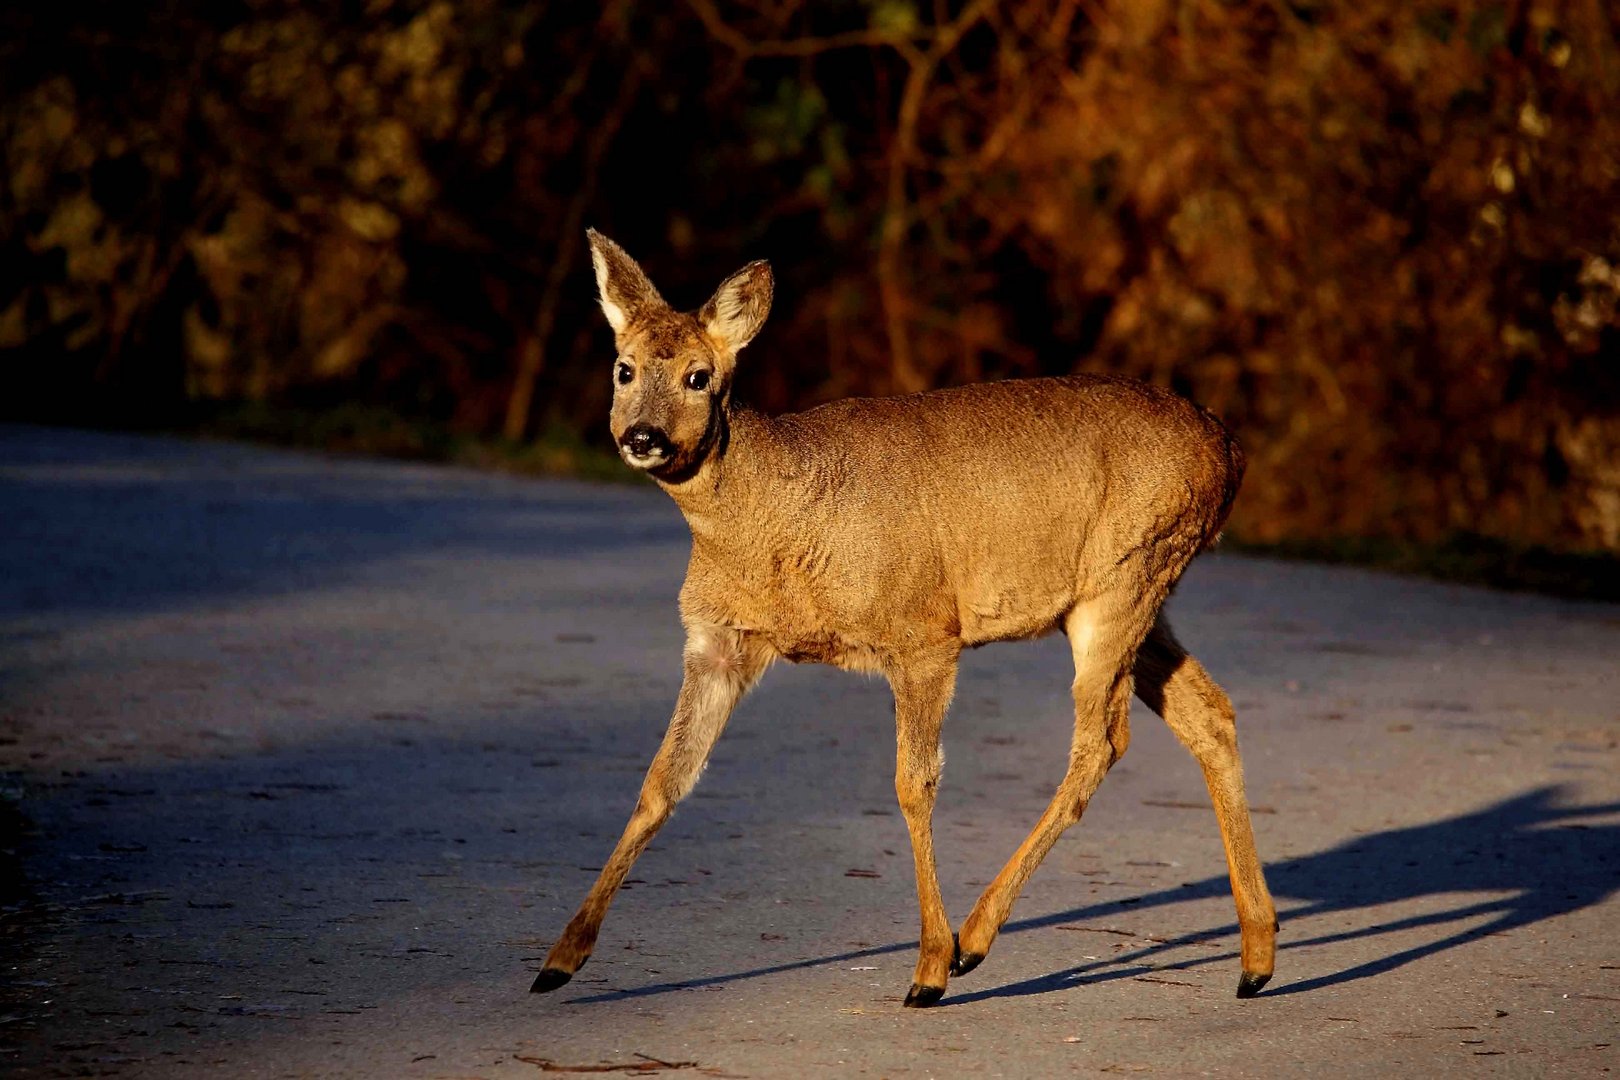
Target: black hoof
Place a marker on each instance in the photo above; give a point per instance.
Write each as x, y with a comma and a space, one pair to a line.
966, 962
1249, 985
549, 979
921, 997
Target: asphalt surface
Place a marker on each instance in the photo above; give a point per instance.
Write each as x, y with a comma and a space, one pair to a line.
307, 759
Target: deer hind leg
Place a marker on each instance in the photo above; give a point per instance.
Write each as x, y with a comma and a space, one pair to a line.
720, 665
1177, 687
1103, 635
922, 692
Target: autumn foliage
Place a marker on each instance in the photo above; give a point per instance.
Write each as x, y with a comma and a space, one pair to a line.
1382, 239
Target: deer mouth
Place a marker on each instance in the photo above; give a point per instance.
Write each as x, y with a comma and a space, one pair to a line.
645, 447
648, 461
651, 450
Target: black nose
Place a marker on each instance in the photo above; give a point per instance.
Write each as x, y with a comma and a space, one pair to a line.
644, 440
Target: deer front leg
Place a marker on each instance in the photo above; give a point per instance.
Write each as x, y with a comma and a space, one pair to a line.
921, 694
720, 665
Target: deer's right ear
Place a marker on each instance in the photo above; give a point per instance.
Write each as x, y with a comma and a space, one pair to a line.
621, 285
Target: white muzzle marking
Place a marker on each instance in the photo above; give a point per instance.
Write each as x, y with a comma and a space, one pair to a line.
642, 461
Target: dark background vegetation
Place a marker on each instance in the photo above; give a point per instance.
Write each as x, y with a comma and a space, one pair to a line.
1380, 238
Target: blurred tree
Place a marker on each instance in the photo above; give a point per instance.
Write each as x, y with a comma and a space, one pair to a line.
1379, 238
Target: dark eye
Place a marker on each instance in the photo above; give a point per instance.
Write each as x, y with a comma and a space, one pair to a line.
697, 380
624, 373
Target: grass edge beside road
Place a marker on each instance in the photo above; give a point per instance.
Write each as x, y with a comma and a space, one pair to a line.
558, 451
369, 431
1460, 559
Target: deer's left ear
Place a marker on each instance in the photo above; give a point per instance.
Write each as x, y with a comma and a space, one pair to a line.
738, 307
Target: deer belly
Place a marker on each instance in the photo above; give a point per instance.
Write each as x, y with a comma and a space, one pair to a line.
1010, 616
827, 648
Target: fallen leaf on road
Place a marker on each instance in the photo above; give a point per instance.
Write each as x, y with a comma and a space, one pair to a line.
646, 1064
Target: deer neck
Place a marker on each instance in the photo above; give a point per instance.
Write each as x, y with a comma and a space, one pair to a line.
732, 488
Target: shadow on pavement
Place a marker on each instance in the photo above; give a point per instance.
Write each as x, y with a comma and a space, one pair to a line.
1532, 846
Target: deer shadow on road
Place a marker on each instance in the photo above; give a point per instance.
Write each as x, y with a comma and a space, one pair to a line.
1538, 848
1544, 853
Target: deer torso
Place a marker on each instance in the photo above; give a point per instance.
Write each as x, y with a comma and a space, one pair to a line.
869, 529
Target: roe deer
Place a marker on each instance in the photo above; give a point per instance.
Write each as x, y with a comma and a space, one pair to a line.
887, 535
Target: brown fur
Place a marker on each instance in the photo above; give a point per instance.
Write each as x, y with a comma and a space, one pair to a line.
886, 535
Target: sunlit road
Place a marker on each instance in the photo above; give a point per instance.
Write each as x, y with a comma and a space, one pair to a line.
313, 756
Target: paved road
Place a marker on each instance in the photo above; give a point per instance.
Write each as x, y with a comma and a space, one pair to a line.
315, 756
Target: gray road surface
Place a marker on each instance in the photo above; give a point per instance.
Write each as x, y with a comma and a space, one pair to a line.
316, 755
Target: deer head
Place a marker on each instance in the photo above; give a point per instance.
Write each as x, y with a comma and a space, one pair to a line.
672, 376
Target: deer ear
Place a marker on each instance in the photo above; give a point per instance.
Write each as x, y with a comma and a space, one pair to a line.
621, 285
738, 307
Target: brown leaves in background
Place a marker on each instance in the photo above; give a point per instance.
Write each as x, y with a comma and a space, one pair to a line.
1379, 238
